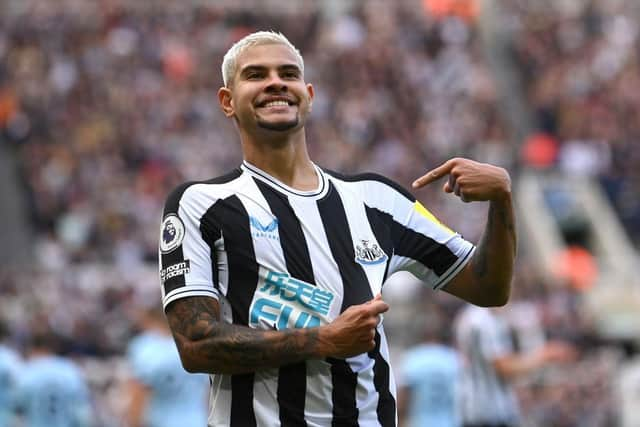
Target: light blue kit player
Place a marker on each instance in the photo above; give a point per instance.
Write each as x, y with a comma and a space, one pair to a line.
430, 376
172, 396
9, 367
52, 392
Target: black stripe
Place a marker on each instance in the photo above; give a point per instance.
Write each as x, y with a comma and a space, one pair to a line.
372, 177
230, 216
382, 230
292, 379
336, 227
343, 395
210, 231
356, 290
386, 403
171, 207
446, 278
242, 414
411, 244
292, 240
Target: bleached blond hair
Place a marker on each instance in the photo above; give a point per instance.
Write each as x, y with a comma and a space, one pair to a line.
230, 61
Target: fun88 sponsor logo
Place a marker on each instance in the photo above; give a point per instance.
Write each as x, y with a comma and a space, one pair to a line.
286, 302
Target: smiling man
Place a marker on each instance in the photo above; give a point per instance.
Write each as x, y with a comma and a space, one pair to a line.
272, 279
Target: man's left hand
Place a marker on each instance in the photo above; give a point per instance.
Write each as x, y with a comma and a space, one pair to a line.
470, 180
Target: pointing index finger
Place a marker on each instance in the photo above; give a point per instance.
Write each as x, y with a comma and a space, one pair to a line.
433, 175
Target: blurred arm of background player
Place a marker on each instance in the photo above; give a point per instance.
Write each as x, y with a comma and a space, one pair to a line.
515, 364
138, 396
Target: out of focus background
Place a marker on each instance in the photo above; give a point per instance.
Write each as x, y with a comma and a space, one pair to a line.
106, 105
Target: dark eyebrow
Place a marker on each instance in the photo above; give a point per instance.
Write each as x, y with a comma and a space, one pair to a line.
261, 68
246, 70
289, 67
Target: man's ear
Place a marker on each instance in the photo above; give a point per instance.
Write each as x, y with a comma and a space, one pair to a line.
226, 101
311, 93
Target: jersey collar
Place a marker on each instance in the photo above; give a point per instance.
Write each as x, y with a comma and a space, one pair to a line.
281, 186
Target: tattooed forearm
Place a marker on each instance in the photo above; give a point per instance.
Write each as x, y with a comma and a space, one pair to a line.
507, 222
209, 345
479, 262
495, 256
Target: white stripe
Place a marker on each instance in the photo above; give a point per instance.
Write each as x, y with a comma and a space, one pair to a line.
384, 352
265, 398
190, 291
222, 265
318, 399
220, 401
361, 230
318, 408
366, 395
325, 269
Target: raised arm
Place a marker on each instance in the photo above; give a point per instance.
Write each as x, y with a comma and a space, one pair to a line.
486, 280
207, 344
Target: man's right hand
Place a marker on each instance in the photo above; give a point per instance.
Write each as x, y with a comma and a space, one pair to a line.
354, 331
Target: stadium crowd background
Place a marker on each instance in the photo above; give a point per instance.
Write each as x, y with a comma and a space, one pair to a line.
108, 105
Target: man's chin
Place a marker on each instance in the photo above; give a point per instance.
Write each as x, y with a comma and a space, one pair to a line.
278, 126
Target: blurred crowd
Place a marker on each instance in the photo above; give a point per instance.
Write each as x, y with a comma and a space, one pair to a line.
108, 105
580, 65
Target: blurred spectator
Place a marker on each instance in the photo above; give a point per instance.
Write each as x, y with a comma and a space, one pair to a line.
160, 392
429, 379
52, 391
540, 151
9, 369
580, 66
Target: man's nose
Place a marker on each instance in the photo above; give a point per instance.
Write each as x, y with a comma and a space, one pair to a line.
275, 83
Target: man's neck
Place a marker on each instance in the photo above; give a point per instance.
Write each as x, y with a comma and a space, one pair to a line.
287, 160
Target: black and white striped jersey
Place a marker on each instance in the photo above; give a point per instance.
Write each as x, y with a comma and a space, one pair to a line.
276, 258
482, 337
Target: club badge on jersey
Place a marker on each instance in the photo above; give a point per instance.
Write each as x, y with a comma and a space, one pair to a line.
368, 253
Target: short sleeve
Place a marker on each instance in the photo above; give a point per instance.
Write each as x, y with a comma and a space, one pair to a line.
187, 250
422, 244
431, 251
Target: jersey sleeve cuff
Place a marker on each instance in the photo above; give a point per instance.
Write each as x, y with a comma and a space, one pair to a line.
190, 291
455, 268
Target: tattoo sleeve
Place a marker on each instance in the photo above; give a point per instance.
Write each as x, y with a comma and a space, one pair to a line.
207, 344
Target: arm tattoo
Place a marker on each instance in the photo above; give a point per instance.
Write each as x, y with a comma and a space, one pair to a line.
207, 344
480, 261
499, 236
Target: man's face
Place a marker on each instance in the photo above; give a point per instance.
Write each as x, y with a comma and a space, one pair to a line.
268, 91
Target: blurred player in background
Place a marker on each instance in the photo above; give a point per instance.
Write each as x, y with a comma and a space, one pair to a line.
52, 391
9, 367
271, 275
491, 363
161, 393
429, 378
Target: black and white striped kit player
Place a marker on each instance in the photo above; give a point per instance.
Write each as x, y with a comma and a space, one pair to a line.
487, 398
275, 258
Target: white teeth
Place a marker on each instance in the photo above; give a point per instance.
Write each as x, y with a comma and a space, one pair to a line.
276, 103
